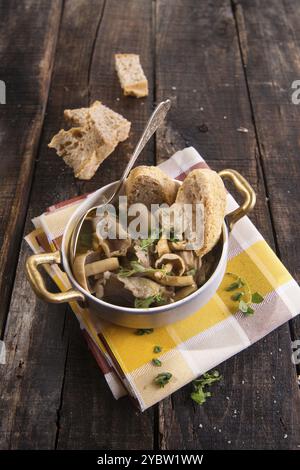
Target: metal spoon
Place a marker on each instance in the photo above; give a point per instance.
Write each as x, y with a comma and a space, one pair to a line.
152, 125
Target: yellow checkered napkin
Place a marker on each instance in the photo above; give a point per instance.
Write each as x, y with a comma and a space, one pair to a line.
200, 342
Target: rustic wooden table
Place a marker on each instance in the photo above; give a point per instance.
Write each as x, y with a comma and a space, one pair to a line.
225, 65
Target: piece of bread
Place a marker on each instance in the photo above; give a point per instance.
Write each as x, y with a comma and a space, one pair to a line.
98, 133
206, 186
149, 185
110, 124
131, 75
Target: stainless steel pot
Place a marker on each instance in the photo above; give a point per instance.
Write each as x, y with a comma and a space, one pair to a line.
133, 317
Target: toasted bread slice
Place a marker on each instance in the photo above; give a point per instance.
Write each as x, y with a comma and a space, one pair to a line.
206, 186
131, 75
149, 185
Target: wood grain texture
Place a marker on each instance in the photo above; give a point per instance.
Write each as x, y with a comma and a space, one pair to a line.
30, 385
269, 36
75, 80
202, 70
27, 47
194, 53
108, 423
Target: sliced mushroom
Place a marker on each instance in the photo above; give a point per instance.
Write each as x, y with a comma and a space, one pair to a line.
185, 291
98, 267
123, 291
142, 255
180, 245
172, 262
189, 259
176, 281
79, 267
162, 247
142, 287
114, 246
99, 289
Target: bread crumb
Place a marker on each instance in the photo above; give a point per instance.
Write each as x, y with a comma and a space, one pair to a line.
242, 129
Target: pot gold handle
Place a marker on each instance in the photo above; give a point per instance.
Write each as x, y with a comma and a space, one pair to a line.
37, 282
244, 188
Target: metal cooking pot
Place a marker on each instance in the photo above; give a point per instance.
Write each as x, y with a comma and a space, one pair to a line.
138, 317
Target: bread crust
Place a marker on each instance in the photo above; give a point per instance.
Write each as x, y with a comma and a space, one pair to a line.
206, 186
150, 185
98, 132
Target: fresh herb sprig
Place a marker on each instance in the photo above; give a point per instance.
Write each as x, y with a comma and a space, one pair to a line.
244, 306
144, 331
137, 267
148, 301
163, 379
156, 362
199, 395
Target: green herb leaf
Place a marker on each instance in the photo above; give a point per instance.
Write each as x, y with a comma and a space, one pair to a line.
237, 296
162, 379
199, 394
136, 267
257, 298
235, 285
250, 311
156, 362
145, 303
157, 349
245, 308
144, 331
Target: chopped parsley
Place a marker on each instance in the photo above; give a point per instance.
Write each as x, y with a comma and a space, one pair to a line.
157, 349
144, 331
156, 362
163, 379
237, 296
199, 395
257, 298
244, 306
153, 299
137, 267
235, 285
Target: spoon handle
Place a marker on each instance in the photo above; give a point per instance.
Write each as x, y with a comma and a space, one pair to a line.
152, 125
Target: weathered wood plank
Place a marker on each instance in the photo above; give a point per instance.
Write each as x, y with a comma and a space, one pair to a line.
32, 376
269, 36
126, 29
27, 48
199, 65
45, 412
